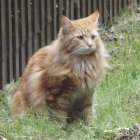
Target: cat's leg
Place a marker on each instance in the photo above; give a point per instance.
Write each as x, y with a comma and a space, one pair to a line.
86, 113
38, 103
23, 102
19, 103
60, 116
86, 109
59, 109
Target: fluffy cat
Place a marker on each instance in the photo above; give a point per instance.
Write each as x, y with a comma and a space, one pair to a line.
60, 79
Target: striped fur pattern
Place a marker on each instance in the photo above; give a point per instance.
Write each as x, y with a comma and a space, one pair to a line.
60, 79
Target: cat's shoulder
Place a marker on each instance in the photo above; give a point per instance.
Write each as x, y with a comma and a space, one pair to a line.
45, 50
42, 51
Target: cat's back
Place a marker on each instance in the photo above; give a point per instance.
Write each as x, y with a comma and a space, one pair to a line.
38, 61
40, 56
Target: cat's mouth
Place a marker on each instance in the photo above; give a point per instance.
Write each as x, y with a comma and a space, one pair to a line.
84, 50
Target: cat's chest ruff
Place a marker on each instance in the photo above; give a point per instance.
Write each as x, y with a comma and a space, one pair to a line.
84, 76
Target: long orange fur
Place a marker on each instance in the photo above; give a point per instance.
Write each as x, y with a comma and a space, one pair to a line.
60, 79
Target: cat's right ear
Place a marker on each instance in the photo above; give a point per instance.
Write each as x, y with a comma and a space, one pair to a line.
66, 23
95, 16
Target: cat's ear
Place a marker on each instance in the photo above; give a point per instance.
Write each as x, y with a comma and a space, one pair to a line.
95, 16
66, 23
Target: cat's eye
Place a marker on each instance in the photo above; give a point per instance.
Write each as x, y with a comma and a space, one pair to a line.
80, 37
93, 36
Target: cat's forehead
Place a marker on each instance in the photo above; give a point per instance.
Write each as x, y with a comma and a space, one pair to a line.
83, 23
84, 26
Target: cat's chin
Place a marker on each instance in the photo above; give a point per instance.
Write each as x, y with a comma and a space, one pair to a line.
84, 51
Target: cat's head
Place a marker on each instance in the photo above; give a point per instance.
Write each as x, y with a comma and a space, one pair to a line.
79, 37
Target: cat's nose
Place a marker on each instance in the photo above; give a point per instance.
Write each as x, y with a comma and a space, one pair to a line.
89, 45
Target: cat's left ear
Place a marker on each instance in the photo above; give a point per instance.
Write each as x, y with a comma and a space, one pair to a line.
66, 23
94, 17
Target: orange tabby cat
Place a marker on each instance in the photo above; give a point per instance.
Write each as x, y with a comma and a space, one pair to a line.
60, 78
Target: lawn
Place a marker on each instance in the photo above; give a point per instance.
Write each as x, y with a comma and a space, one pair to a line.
117, 99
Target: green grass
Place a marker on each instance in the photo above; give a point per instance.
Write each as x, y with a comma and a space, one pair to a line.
117, 103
